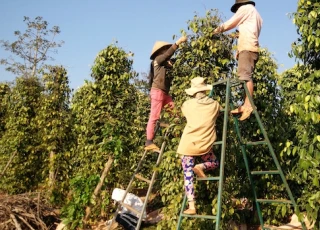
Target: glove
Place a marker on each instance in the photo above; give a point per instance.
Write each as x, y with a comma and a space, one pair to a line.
181, 40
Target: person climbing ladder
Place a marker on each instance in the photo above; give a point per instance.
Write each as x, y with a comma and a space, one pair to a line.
160, 84
198, 136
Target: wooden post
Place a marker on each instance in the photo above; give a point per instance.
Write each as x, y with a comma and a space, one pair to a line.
97, 190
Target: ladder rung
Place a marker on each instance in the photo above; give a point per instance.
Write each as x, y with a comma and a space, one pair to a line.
130, 208
200, 216
266, 227
208, 178
265, 172
219, 82
274, 201
270, 227
218, 143
257, 143
142, 178
164, 125
235, 84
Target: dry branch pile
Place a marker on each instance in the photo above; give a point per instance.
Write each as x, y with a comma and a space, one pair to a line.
26, 211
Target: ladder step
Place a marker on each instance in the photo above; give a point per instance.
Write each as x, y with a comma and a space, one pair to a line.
164, 125
208, 178
274, 201
219, 82
256, 143
271, 227
265, 172
130, 208
235, 84
200, 216
218, 143
139, 177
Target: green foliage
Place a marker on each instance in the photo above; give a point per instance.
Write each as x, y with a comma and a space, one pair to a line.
307, 21
103, 110
82, 189
21, 136
302, 104
203, 55
103, 113
37, 127
55, 127
4, 91
300, 90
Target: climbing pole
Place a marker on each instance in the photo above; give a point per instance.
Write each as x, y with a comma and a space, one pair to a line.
243, 146
136, 175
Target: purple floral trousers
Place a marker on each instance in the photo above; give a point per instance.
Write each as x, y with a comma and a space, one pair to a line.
209, 162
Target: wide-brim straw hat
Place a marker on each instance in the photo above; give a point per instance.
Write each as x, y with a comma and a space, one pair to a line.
296, 224
241, 2
198, 85
157, 46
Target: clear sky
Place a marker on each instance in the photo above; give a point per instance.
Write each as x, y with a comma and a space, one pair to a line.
88, 26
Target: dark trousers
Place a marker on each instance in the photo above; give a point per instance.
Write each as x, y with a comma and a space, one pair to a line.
128, 221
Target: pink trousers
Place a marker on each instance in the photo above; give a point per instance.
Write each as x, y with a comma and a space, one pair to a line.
159, 99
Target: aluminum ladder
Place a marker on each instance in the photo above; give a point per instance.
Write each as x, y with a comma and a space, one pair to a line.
136, 175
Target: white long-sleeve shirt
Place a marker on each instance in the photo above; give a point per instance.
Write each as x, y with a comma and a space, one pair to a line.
249, 21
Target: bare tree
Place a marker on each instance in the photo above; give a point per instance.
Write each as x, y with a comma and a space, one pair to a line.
31, 49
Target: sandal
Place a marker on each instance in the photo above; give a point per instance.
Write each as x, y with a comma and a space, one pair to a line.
237, 110
190, 211
246, 113
152, 147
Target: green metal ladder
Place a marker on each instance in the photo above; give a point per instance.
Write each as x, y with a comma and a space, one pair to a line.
231, 83
136, 175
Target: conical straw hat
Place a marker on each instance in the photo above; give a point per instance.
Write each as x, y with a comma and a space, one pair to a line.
157, 46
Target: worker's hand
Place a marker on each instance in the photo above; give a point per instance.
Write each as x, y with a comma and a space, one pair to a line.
181, 40
218, 30
237, 55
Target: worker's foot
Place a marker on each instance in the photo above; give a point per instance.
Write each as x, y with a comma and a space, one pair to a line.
190, 211
237, 110
246, 113
149, 145
199, 171
152, 147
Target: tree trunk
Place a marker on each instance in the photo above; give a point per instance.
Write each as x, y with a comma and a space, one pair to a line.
51, 170
97, 190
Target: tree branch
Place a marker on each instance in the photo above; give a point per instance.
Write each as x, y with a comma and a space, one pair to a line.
18, 227
26, 223
8, 163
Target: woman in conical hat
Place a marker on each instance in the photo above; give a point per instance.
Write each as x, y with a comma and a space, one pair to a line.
160, 84
249, 21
